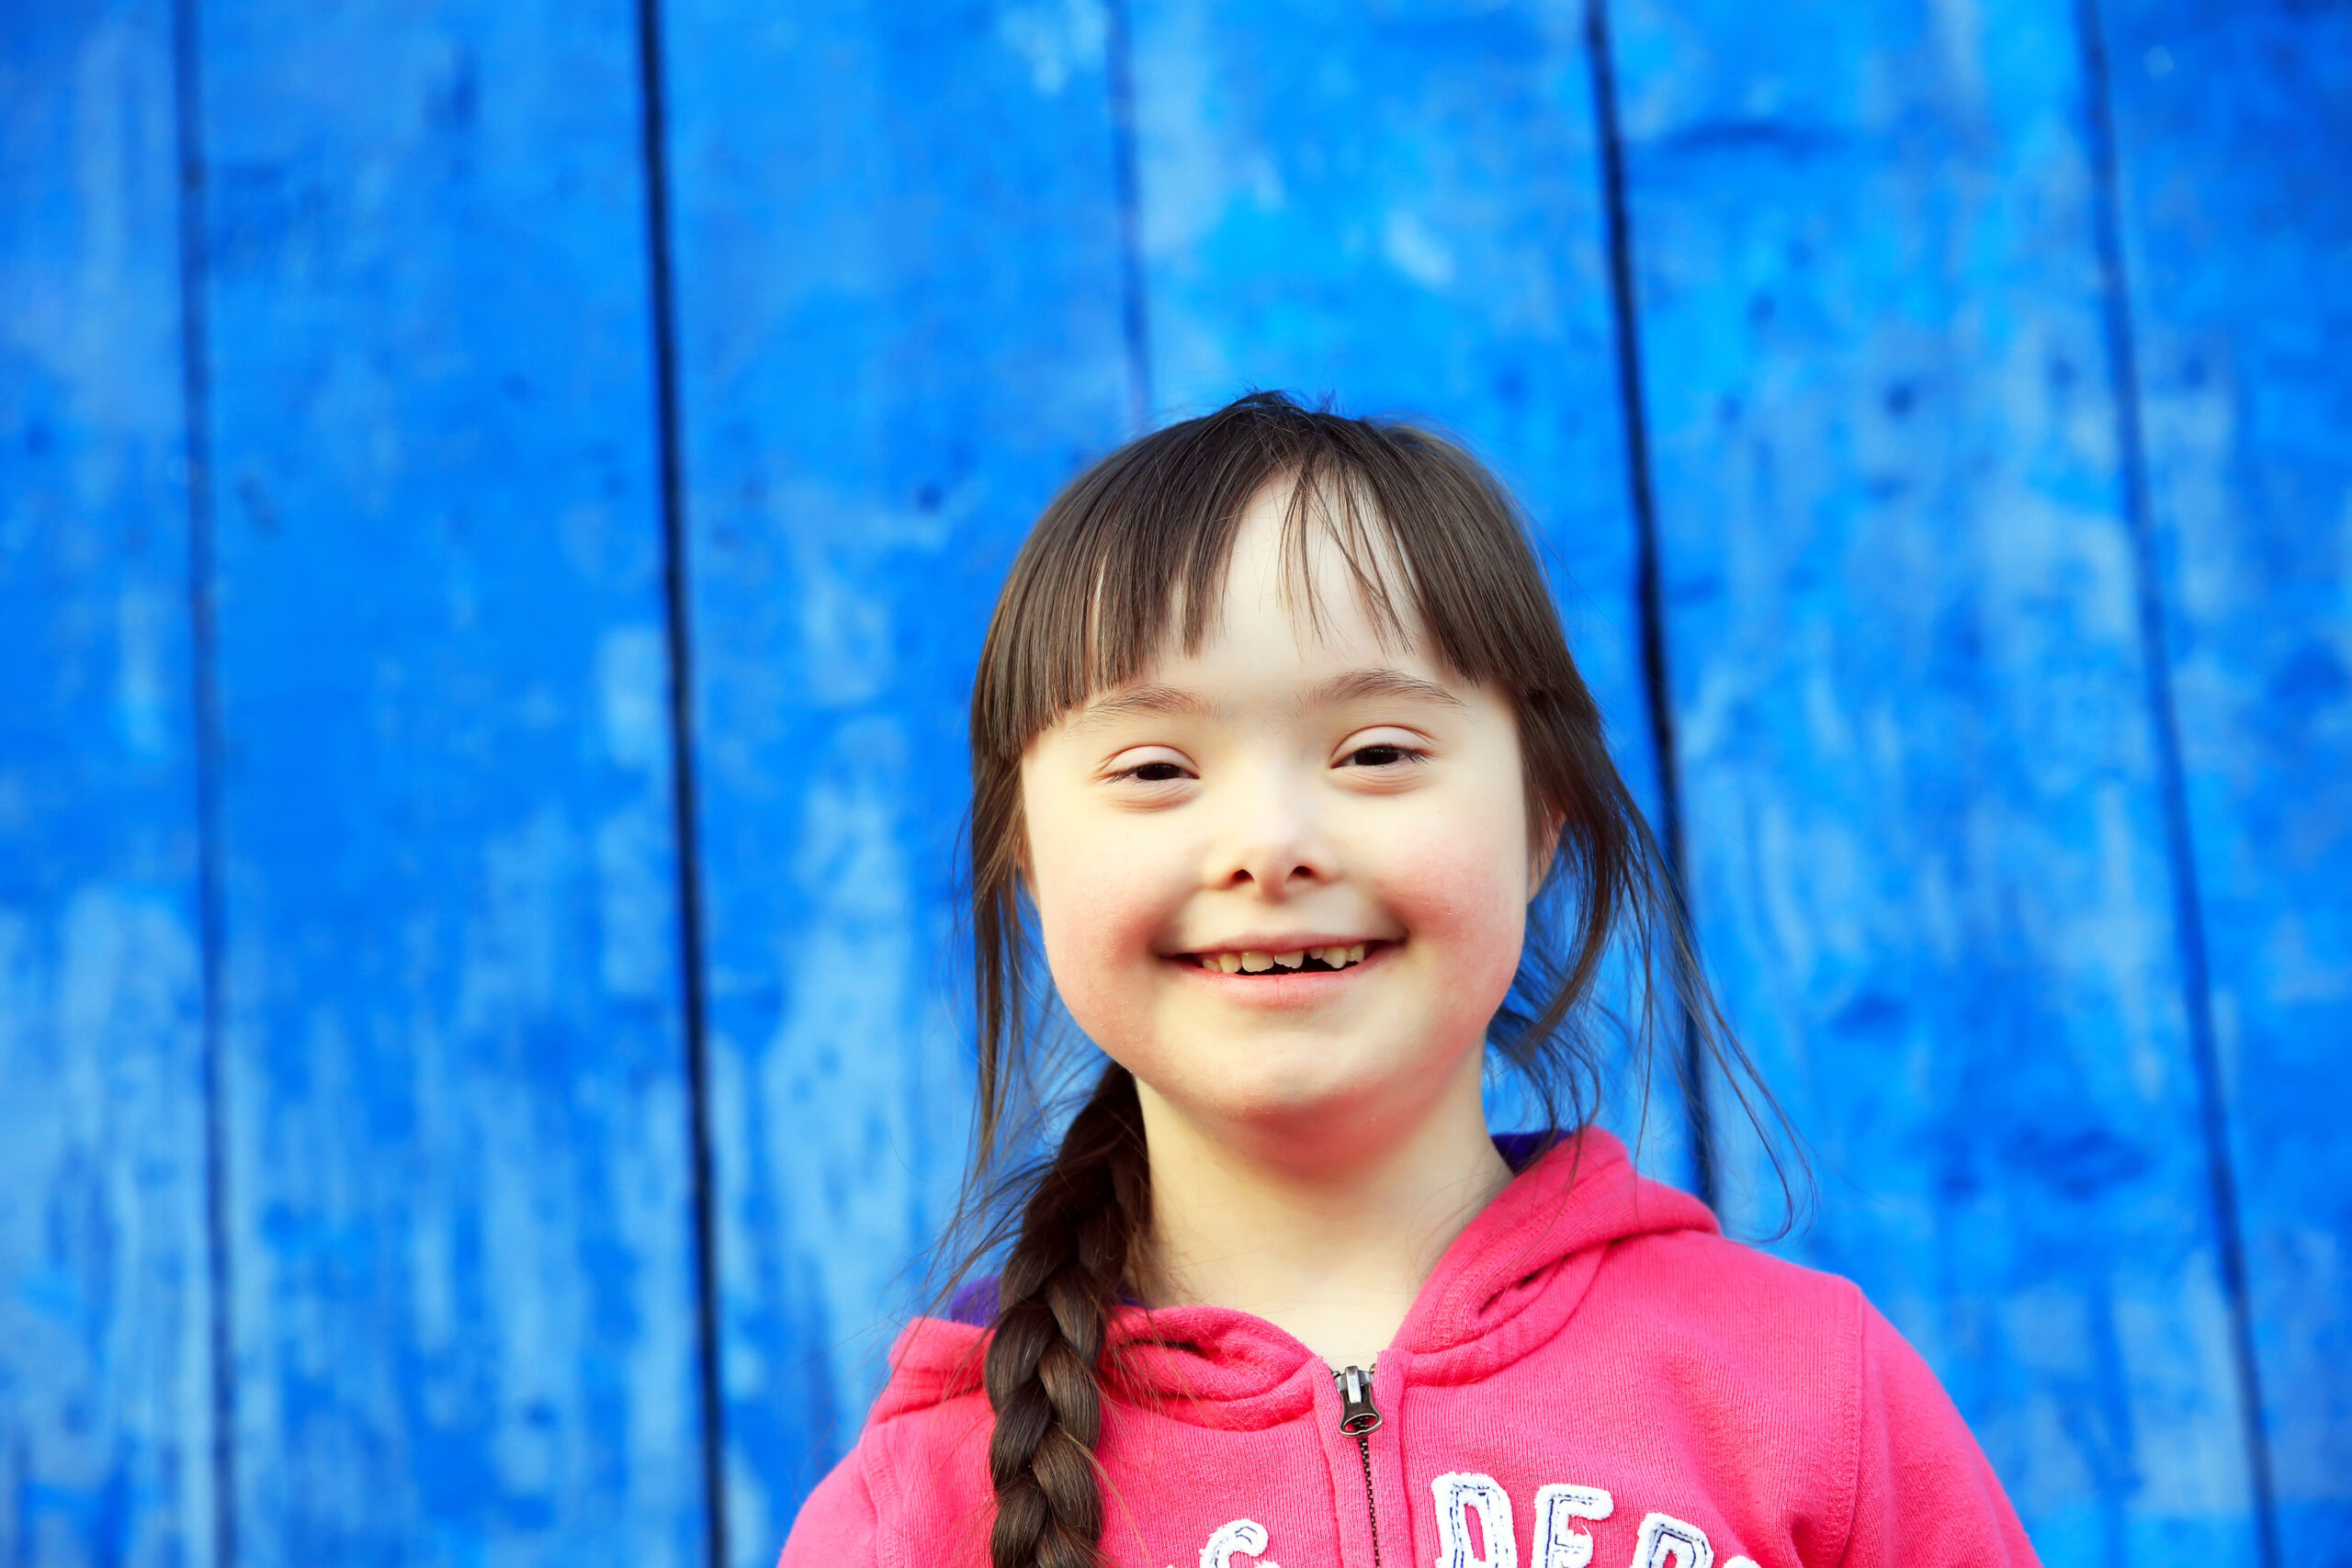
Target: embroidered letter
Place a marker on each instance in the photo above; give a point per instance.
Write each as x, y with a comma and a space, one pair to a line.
1558, 1542
1241, 1535
1741, 1562
1457, 1497
1665, 1537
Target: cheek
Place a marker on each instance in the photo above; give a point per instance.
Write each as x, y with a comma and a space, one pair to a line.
1090, 924
1099, 908
1461, 889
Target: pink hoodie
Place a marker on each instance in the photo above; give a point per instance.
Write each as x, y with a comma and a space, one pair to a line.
1592, 1376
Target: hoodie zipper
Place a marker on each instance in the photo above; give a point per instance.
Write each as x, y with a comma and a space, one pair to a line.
1358, 1418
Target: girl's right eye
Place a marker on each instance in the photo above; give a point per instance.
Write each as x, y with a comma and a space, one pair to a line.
1148, 769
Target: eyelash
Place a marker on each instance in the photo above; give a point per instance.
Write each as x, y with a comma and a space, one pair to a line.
1403, 754
1134, 774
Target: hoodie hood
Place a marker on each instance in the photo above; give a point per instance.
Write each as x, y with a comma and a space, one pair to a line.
1506, 1284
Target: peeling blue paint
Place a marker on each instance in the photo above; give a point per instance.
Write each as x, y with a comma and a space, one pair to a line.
2233, 125
106, 1413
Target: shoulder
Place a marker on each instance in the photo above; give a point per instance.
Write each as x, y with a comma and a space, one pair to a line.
1736, 1301
839, 1524
1749, 1366
1765, 1354
1801, 1337
1748, 1311
1812, 1378
914, 1488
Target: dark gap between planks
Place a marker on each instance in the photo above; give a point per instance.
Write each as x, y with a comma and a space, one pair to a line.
663, 309
2189, 925
1118, 50
1648, 591
196, 393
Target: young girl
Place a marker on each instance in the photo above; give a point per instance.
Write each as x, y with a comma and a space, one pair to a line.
1278, 749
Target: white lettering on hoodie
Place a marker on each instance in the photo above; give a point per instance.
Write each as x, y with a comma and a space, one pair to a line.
1663, 1537
1240, 1536
1457, 1495
1558, 1542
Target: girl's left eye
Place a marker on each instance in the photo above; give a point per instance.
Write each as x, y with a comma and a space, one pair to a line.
1151, 771
1381, 755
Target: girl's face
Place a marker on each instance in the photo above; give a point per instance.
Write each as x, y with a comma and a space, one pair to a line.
1284, 879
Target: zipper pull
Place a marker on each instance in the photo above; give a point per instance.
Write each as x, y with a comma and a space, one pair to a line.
1357, 1415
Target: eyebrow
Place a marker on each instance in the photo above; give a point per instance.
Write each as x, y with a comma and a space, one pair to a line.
1142, 699
1352, 686
1356, 685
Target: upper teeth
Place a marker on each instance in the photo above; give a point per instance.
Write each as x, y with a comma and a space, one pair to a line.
1257, 963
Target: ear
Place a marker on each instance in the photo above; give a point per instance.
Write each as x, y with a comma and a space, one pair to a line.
1541, 853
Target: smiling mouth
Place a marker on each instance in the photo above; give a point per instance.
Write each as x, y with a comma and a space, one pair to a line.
1306, 961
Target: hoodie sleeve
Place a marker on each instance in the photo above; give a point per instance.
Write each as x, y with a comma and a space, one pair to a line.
839, 1525
1924, 1495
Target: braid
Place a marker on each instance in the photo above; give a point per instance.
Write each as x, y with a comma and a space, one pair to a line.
1060, 1283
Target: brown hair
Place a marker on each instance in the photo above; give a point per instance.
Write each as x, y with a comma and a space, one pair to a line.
1131, 552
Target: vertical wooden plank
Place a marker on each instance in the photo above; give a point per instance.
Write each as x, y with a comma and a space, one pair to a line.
460, 1175
897, 242
1922, 790
106, 1371
2234, 135
1401, 205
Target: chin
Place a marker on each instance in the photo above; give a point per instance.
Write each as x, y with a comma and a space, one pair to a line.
1277, 1085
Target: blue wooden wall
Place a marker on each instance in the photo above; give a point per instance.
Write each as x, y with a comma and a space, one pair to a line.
498, 499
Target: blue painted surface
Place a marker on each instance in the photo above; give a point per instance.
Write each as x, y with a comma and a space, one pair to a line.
2234, 128
105, 1371
1926, 837
456, 1101
928, 259
897, 336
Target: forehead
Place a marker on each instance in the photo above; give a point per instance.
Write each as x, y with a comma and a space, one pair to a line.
1315, 572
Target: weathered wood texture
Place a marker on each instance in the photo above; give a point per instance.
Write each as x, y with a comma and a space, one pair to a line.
2234, 148
106, 1371
458, 1189
898, 332
2005, 618
1401, 206
1923, 793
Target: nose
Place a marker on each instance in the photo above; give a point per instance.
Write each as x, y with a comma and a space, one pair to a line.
1270, 840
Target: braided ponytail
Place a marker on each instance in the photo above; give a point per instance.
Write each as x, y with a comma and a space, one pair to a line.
1060, 1283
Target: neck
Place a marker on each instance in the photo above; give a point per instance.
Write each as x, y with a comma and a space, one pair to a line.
1331, 1243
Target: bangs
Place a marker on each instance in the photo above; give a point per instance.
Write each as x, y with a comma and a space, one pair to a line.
1135, 552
